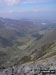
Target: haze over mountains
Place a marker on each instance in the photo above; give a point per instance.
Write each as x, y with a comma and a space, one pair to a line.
22, 40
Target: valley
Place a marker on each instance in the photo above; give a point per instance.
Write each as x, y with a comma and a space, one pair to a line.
23, 41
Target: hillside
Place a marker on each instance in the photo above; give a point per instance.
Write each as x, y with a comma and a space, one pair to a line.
47, 63
15, 36
49, 37
24, 41
43, 48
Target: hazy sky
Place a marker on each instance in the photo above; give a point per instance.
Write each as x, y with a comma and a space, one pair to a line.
28, 8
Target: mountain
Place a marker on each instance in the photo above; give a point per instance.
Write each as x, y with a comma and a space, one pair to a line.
15, 36
45, 47
23, 41
49, 37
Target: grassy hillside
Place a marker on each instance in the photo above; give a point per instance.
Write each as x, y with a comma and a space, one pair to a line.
45, 51
44, 47
23, 41
15, 36
48, 38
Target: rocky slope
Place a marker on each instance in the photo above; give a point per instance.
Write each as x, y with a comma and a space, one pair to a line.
32, 68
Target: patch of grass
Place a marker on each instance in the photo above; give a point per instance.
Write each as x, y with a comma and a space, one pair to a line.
25, 59
49, 48
51, 54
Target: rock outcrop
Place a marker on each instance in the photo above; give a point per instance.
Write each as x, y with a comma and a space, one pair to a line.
31, 68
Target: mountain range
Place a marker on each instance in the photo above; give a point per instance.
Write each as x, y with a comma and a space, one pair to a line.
24, 40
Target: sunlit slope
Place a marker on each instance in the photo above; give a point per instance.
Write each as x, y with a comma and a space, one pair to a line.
49, 37
46, 39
